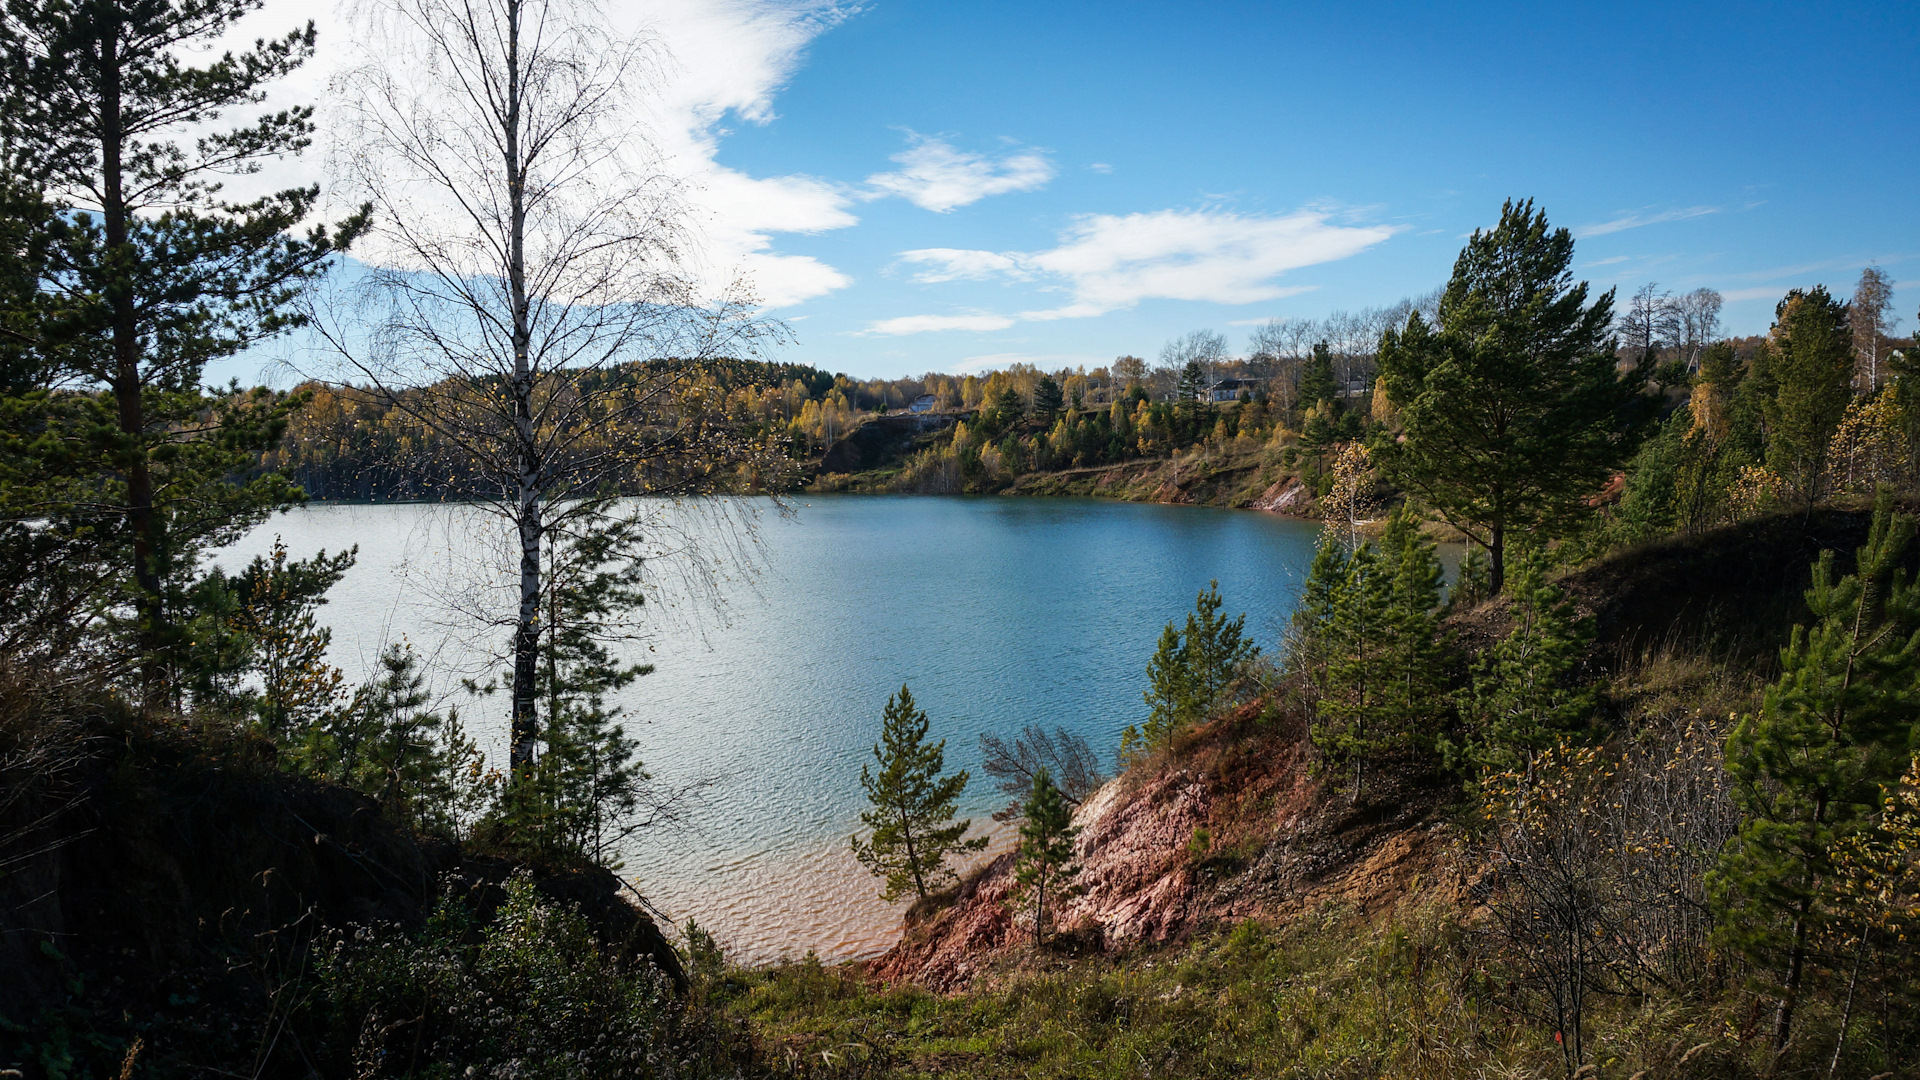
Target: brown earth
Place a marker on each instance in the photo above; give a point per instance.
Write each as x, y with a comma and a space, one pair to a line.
1230, 826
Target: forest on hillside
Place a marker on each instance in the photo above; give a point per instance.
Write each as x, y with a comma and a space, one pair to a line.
1692, 847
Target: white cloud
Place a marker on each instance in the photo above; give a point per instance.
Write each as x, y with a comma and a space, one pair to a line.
1609, 261
1101, 167
1637, 220
721, 58
920, 324
939, 178
1265, 319
958, 264
1115, 261
1047, 361
1109, 262
733, 56
1762, 292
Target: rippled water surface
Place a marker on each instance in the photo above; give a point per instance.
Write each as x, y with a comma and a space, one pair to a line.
997, 612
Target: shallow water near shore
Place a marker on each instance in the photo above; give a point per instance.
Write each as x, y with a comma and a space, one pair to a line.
771, 677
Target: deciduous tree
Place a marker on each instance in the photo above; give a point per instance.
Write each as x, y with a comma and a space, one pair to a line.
1869, 324
1060, 752
531, 262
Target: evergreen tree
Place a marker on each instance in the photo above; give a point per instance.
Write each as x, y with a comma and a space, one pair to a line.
1007, 408
1416, 645
1650, 506
1810, 362
258, 650
1521, 702
1512, 408
279, 614
157, 274
1047, 400
1190, 672
1808, 769
1367, 648
913, 831
587, 789
1172, 702
1747, 409
1193, 382
1470, 583
418, 762
1316, 378
1044, 869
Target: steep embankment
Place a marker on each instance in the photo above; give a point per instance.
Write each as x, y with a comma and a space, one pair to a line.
1233, 824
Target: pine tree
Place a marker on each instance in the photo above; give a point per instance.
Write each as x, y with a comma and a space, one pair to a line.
591, 782
1190, 672
1650, 509
258, 651
913, 831
1171, 697
1416, 647
157, 273
1047, 400
1367, 648
418, 762
1810, 362
1317, 383
1808, 769
1521, 701
1193, 382
1512, 409
1044, 869
1006, 409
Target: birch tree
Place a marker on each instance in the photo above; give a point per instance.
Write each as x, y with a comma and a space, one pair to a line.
1872, 301
534, 301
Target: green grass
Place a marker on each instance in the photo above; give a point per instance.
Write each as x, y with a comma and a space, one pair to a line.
1327, 996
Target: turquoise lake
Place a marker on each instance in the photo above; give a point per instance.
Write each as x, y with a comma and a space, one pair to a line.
771, 676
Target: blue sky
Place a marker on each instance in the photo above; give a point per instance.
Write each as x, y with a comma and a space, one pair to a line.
948, 186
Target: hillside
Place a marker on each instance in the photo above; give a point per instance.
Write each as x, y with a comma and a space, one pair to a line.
1243, 916
879, 456
167, 885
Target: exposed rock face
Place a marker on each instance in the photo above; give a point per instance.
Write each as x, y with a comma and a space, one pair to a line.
1286, 496
1236, 827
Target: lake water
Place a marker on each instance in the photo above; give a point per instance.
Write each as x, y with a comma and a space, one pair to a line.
997, 612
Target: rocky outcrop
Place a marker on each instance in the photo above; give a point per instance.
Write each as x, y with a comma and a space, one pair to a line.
1233, 826
1287, 496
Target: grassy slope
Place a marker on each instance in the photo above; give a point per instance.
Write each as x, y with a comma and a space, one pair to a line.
1687, 628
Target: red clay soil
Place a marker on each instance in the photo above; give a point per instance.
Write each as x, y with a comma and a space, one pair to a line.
1275, 841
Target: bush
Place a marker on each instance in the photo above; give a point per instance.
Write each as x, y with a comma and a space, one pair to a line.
531, 995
